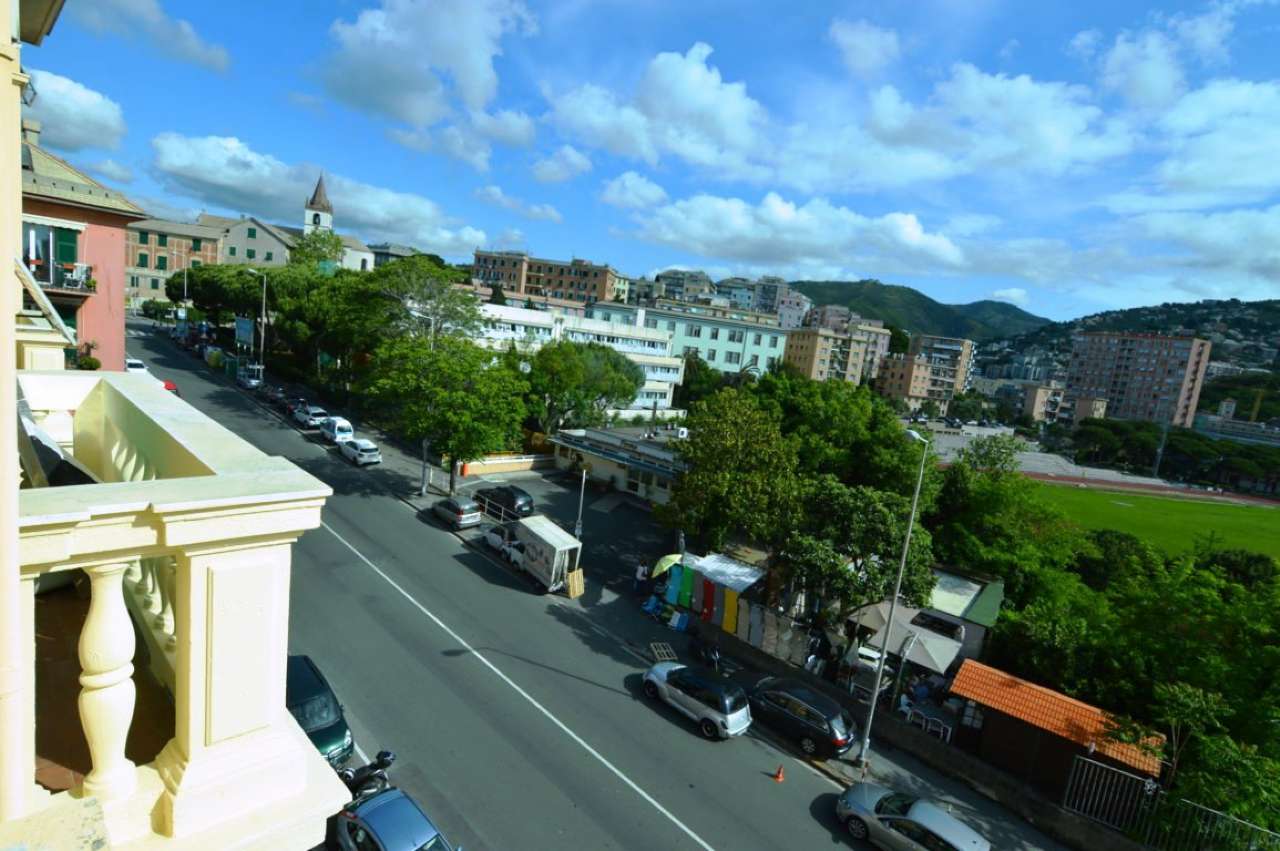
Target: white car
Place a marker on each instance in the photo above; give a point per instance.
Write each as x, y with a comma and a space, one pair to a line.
135, 365
337, 430
310, 416
714, 702
360, 451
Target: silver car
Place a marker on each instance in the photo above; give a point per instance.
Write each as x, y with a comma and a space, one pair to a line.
360, 451
717, 704
897, 821
310, 416
460, 512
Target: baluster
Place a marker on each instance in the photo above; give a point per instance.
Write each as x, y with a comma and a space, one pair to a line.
151, 593
133, 573
167, 581
106, 679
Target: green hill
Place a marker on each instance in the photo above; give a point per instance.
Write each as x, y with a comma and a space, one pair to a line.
917, 313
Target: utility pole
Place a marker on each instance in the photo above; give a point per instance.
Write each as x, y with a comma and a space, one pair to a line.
1164, 436
582, 492
426, 467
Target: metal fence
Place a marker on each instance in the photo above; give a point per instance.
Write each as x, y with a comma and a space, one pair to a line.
1139, 808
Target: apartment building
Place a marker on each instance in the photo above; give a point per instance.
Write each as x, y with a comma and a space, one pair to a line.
573, 280
648, 348
837, 317
1148, 377
1050, 403
385, 252
729, 340
826, 355
73, 246
740, 292
791, 308
159, 248
950, 356
684, 284
769, 290
876, 337
909, 379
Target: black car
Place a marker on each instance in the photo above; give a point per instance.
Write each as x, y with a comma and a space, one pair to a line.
316, 709
505, 501
816, 723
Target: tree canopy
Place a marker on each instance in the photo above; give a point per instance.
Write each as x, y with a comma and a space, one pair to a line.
576, 384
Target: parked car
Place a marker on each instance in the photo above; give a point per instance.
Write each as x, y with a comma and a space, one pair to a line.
505, 501
715, 703
460, 512
337, 430
360, 451
816, 723
897, 821
387, 821
315, 707
310, 416
134, 365
293, 403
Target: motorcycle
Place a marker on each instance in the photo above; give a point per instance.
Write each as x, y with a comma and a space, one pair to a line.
368, 779
705, 651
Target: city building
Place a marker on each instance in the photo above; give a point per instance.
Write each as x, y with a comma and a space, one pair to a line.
158, 248
769, 290
74, 233
1142, 376
385, 252
648, 348
252, 241
907, 378
174, 533
792, 308
562, 306
837, 317
1227, 409
823, 354
1050, 403
684, 284
877, 337
935, 369
1241, 431
950, 356
572, 280
729, 340
740, 292
639, 461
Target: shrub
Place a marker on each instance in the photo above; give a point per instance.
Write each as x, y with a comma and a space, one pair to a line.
88, 362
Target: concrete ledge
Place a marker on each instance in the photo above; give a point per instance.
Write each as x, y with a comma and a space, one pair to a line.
507, 464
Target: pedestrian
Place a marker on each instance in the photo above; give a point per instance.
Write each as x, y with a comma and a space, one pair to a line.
642, 573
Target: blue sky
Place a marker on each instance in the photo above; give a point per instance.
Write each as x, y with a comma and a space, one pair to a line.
1067, 158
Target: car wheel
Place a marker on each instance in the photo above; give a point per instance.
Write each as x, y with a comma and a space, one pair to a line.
809, 746
709, 729
857, 827
651, 689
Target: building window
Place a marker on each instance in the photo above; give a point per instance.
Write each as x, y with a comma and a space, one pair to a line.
737, 335
143, 236
195, 263
162, 262
715, 333
364, 264
195, 244
711, 354
162, 240
142, 260
250, 253
756, 340
773, 342
690, 350
253, 233
155, 283
133, 280
671, 325
695, 331
232, 251
315, 219
268, 257
733, 357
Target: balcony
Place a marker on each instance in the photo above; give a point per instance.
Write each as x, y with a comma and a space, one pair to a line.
69, 278
183, 542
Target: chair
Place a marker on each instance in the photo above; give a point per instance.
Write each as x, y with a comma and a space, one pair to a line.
905, 706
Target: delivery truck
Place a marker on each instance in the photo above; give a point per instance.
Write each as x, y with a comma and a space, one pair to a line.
549, 552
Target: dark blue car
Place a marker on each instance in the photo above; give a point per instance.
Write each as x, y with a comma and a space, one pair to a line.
387, 821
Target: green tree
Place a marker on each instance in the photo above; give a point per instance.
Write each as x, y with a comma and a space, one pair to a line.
431, 303
969, 405
740, 477
318, 246
930, 409
577, 383
899, 340
453, 395
497, 296
1187, 713
1109, 556
701, 381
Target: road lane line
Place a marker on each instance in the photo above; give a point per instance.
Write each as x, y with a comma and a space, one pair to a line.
364, 757
528, 697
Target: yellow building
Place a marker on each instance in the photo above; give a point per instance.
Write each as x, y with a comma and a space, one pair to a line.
182, 534
823, 354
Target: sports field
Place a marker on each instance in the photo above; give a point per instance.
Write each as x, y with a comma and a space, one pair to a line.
1172, 524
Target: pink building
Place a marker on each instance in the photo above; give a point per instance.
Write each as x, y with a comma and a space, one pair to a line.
73, 242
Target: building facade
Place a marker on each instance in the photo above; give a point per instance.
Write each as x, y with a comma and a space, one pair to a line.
1147, 377
729, 340
385, 252
1050, 403
876, 337
648, 348
158, 249
638, 461
950, 356
826, 355
792, 308
572, 280
74, 236
684, 284
907, 378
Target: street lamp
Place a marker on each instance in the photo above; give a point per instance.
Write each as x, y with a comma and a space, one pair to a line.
262, 352
865, 750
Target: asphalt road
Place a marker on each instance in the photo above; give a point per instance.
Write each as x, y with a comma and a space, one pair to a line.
517, 722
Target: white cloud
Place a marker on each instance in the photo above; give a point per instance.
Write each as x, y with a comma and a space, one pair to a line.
1236, 253
74, 116
567, 162
682, 106
865, 48
459, 143
506, 126
224, 172
1207, 35
408, 60
112, 170
1144, 69
1013, 295
536, 212
780, 233
1009, 49
510, 238
630, 189
1084, 45
132, 18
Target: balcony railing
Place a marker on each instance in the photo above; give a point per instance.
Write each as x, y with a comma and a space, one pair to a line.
62, 276
186, 535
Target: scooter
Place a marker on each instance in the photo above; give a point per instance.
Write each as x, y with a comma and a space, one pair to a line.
368, 779
706, 652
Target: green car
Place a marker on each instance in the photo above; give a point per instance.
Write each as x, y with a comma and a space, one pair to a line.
317, 711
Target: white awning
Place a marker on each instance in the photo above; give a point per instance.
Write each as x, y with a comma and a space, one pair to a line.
735, 575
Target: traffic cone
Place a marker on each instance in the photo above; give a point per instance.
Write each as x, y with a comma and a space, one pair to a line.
778, 776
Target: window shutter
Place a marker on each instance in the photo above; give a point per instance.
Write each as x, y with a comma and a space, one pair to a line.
64, 242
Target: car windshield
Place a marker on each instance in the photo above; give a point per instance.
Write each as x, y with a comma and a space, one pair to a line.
436, 843
894, 804
735, 700
316, 712
318, 412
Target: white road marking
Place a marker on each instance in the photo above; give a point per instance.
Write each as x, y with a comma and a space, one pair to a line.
528, 697
364, 757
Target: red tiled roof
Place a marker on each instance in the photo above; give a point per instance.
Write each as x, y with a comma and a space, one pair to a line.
1050, 711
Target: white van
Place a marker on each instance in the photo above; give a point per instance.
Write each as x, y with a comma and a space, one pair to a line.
337, 430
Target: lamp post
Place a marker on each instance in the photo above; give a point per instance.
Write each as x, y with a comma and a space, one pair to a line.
582, 492
262, 346
865, 751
